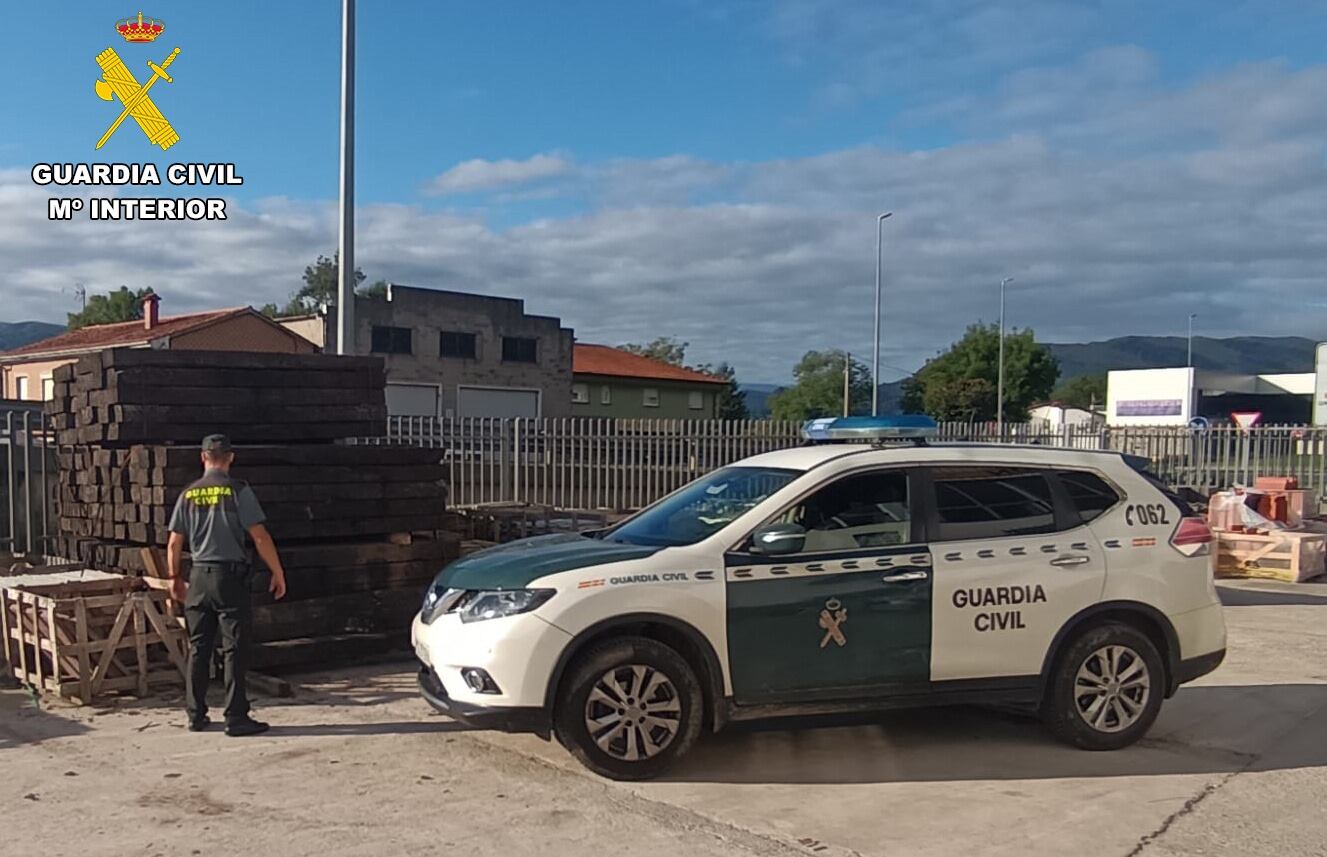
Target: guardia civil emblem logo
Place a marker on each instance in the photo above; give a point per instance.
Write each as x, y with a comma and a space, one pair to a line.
119, 82
832, 619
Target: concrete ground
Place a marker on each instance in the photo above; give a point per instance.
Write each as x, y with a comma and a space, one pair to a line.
357, 764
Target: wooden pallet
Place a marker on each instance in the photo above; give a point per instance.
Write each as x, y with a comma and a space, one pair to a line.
83, 640
1286, 555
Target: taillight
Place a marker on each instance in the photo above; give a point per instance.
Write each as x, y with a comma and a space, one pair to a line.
1192, 537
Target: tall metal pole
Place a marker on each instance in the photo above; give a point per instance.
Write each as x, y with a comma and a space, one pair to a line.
875, 353
1192, 316
999, 382
345, 290
847, 362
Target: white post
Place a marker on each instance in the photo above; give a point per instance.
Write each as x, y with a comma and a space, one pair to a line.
345, 292
875, 352
999, 382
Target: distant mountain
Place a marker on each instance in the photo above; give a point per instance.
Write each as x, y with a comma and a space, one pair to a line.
1243, 355
757, 398
16, 334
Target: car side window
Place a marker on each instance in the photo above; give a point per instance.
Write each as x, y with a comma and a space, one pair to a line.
864, 510
986, 502
1090, 494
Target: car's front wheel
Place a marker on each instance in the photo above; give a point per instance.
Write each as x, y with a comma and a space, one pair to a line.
629, 708
1106, 689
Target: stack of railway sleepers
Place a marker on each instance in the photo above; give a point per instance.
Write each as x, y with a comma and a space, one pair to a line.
361, 529
123, 396
310, 492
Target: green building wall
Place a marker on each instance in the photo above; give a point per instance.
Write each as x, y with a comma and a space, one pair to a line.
628, 396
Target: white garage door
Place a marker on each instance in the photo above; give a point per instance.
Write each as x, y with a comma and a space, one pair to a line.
496, 402
412, 400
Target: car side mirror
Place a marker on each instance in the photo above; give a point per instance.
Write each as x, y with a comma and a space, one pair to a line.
777, 539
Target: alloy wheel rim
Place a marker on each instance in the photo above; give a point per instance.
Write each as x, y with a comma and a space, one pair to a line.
1111, 688
633, 712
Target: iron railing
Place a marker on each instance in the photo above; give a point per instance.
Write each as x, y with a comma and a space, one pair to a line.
580, 463
625, 464
28, 521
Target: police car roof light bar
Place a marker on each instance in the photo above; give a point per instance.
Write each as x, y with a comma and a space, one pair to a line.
914, 427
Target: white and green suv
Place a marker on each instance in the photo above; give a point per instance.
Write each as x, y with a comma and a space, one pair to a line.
836, 577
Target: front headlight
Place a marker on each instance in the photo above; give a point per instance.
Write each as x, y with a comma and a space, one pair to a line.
438, 600
478, 605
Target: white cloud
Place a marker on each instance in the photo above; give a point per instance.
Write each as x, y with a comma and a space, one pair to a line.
481, 175
1118, 221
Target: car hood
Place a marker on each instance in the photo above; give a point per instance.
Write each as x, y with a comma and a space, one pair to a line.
515, 564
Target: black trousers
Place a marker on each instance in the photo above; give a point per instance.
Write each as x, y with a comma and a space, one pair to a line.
219, 601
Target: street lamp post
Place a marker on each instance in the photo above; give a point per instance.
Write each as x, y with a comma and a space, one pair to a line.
999, 378
345, 291
875, 352
1189, 362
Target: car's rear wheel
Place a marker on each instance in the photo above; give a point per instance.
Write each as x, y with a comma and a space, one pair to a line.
1106, 688
629, 708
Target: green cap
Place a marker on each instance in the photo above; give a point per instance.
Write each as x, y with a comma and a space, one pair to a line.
216, 443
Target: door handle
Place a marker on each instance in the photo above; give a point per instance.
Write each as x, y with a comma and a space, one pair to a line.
904, 576
1075, 559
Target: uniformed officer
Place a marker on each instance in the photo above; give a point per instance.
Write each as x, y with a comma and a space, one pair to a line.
213, 514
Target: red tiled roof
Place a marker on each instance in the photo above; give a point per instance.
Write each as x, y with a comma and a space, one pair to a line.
604, 360
125, 333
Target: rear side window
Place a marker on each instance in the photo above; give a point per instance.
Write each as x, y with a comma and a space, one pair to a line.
1091, 495
991, 502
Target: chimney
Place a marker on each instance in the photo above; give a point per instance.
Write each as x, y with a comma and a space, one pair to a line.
151, 311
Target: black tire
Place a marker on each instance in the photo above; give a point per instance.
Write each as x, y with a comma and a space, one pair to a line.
573, 709
1119, 715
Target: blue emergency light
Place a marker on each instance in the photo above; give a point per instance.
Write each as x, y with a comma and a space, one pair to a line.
903, 427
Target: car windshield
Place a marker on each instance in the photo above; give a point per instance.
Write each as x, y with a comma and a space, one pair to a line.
702, 508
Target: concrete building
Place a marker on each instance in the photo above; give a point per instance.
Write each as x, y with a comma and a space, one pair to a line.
610, 382
1054, 416
1156, 397
459, 354
27, 371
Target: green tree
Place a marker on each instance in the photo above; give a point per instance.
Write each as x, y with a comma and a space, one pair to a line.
320, 285
665, 348
1085, 391
732, 401
817, 390
961, 399
377, 291
123, 304
1029, 374
271, 311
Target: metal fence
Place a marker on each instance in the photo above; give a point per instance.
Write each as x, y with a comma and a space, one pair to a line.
625, 464
579, 463
582, 463
27, 499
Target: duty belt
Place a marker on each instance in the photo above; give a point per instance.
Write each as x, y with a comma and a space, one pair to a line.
242, 565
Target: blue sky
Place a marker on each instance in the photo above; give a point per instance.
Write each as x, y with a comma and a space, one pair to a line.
661, 168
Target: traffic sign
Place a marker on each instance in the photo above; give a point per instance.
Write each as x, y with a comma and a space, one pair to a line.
1246, 419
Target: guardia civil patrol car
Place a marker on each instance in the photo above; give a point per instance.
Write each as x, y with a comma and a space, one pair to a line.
837, 576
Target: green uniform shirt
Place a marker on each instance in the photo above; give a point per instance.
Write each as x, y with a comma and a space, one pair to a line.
215, 514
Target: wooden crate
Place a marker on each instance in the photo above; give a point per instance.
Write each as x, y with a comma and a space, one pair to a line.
85, 639
1288, 556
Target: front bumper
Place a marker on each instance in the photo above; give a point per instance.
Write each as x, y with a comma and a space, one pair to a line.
498, 719
518, 652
